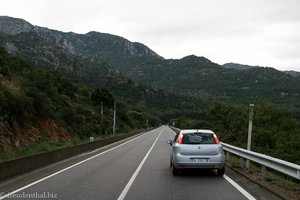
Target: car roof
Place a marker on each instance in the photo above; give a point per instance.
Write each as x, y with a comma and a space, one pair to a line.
196, 131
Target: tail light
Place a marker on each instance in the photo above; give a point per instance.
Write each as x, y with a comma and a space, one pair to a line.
180, 137
216, 139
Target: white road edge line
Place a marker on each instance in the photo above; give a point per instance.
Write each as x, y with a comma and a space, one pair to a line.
239, 188
65, 169
172, 130
127, 187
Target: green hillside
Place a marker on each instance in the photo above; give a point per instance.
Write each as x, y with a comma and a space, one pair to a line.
81, 58
101, 59
197, 76
38, 105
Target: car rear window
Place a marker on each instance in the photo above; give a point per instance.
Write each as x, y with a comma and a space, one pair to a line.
198, 138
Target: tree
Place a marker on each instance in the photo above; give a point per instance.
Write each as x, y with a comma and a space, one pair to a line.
102, 95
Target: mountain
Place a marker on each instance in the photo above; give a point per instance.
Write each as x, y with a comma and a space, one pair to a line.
293, 73
120, 65
68, 52
114, 50
198, 76
92, 59
242, 67
237, 66
14, 26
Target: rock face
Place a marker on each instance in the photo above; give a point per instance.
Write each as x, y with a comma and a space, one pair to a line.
114, 50
13, 26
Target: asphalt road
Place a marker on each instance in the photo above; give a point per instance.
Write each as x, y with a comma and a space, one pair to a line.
135, 170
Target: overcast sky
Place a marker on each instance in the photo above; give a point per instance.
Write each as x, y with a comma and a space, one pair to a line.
254, 32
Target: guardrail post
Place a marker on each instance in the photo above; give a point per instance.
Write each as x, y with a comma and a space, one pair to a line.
263, 172
227, 156
242, 162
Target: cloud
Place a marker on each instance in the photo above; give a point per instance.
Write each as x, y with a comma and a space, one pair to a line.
260, 32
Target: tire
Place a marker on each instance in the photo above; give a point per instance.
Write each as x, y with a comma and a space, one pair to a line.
221, 172
174, 170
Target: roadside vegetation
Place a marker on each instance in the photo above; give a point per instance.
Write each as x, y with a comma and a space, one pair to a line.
42, 110
276, 129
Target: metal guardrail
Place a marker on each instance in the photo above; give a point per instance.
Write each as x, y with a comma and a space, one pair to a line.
282, 166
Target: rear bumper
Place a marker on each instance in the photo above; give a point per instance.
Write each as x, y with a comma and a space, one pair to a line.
214, 162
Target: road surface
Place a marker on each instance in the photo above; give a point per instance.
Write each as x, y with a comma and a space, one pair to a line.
137, 169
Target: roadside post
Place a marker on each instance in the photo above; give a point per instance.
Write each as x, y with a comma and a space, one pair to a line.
251, 113
114, 122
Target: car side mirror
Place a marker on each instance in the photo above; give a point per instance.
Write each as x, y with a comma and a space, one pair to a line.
170, 142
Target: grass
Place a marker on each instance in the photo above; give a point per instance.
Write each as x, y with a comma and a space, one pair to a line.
43, 146
289, 186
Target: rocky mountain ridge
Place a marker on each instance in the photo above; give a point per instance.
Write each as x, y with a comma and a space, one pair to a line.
94, 45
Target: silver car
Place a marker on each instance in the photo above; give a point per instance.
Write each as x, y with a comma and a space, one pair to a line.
197, 149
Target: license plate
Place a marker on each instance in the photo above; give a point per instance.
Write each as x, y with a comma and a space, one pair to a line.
200, 160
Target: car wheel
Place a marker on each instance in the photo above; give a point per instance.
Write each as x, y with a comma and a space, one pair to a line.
221, 171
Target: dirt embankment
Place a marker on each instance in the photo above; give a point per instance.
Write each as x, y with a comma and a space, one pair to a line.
15, 136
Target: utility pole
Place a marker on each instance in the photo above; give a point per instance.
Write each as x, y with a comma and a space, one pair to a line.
251, 113
114, 123
101, 113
